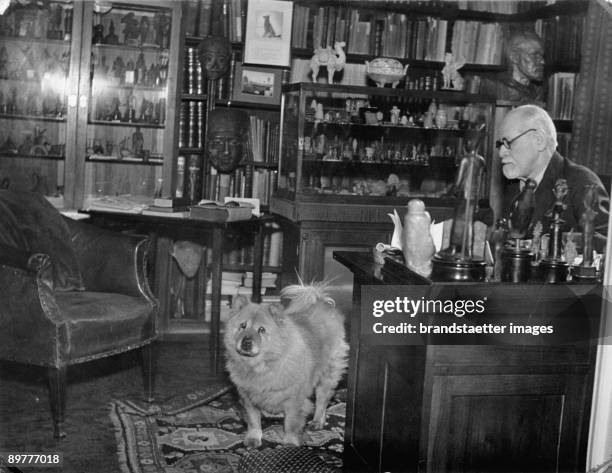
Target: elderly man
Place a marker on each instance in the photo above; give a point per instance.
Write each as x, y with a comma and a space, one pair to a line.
527, 149
522, 82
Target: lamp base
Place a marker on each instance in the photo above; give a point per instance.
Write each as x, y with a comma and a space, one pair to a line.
584, 274
449, 269
553, 271
516, 265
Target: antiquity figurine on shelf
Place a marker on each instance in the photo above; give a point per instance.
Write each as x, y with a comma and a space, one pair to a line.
450, 73
332, 59
215, 54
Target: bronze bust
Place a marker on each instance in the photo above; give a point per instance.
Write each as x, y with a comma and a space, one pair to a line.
522, 82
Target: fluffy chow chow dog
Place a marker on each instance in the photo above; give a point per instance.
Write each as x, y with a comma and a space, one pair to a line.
278, 357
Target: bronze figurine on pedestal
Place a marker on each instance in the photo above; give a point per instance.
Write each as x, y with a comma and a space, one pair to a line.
586, 272
553, 268
515, 258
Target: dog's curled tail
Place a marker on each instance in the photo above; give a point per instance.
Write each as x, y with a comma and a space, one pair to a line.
303, 296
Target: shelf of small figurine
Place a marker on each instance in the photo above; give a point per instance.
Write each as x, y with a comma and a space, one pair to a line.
137, 87
52, 157
38, 118
25, 39
433, 161
126, 123
151, 161
305, 53
434, 129
127, 47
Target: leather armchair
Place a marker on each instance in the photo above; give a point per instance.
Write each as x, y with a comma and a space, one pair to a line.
116, 312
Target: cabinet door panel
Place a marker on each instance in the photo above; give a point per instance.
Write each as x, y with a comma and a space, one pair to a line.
517, 422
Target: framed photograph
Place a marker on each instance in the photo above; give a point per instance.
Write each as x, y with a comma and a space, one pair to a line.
268, 33
257, 84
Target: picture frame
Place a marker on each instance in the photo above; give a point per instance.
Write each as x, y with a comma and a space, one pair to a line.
257, 84
268, 33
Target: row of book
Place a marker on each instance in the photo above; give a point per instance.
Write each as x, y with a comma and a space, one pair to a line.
264, 137
199, 19
562, 36
560, 98
369, 32
236, 283
246, 181
478, 43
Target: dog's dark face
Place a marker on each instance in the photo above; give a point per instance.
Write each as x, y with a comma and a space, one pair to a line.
254, 328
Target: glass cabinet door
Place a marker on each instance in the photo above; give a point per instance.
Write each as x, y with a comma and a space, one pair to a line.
130, 126
37, 95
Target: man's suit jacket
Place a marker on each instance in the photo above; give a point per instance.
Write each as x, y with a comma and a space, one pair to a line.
577, 177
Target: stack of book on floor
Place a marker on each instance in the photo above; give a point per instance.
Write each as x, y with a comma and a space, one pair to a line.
268, 280
230, 282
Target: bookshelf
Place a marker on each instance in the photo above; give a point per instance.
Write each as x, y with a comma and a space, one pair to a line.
190, 298
413, 32
418, 34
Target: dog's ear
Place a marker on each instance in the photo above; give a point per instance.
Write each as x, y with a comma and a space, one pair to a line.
239, 302
276, 311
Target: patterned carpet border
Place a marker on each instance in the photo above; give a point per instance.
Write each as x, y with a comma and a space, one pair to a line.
203, 431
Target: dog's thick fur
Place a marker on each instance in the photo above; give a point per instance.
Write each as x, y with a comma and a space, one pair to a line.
277, 357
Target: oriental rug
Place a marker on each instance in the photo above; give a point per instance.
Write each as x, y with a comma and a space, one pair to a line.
203, 431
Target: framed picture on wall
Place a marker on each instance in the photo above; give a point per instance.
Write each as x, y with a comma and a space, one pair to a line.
268, 33
257, 84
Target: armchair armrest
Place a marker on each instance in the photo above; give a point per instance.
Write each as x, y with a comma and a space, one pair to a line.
27, 315
111, 261
23, 260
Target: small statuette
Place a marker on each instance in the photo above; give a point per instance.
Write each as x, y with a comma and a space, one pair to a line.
417, 244
450, 73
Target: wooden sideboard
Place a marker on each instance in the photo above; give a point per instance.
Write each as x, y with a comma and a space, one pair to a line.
468, 408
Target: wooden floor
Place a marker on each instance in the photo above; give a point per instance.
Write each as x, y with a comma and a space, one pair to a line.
90, 446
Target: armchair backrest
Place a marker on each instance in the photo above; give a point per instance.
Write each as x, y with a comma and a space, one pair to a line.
28, 222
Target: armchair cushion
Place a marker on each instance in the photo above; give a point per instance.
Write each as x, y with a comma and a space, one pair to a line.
29, 222
102, 322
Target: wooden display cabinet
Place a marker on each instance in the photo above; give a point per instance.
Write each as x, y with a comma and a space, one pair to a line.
130, 57
39, 69
348, 159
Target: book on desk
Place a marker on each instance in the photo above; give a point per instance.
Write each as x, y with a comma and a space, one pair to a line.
230, 211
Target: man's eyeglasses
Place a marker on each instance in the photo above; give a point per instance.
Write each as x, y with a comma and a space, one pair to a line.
508, 143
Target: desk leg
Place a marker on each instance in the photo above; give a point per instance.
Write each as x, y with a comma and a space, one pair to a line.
257, 264
215, 307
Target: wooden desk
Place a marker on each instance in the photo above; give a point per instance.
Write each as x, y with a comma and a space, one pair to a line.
443, 408
195, 230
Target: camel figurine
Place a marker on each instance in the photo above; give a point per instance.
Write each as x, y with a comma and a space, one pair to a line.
333, 59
